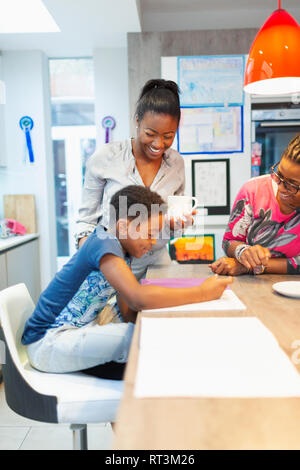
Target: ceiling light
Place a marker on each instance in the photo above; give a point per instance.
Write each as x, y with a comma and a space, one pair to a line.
273, 66
25, 16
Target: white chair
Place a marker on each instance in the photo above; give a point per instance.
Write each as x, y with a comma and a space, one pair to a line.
54, 398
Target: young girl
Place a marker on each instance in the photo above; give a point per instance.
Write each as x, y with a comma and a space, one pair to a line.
66, 333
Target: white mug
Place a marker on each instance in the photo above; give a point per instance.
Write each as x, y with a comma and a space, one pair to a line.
180, 205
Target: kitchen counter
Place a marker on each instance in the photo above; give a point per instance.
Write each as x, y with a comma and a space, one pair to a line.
12, 242
20, 264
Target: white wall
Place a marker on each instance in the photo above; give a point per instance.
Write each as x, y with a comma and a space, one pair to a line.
214, 15
27, 93
111, 91
2, 123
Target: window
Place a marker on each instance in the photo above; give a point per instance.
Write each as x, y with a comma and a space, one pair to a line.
74, 140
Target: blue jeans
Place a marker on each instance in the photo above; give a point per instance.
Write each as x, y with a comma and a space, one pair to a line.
69, 348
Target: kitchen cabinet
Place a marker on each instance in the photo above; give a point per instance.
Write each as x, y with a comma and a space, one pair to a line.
20, 262
3, 272
3, 284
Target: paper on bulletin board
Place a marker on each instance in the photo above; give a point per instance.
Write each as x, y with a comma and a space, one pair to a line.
211, 80
210, 130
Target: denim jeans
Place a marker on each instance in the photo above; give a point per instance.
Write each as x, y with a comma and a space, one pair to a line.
69, 348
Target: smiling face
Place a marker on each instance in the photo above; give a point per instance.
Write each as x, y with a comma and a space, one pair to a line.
290, 172
155, 134
138, 237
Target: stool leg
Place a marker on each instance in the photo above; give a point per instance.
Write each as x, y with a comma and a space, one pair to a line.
79, 436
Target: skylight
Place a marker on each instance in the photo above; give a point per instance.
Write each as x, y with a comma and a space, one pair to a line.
25, 16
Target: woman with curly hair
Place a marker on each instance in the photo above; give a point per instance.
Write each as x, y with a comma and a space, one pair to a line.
263, 233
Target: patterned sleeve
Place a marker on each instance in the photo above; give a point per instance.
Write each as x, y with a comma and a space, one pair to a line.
239, 221
293, 265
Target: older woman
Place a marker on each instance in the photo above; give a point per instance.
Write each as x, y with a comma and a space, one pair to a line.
263, 233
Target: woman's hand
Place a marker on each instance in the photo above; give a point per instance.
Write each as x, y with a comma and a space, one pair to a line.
214, 286
255, 256
228, 267
182, 222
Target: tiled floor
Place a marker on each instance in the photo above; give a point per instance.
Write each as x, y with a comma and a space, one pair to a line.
23, 434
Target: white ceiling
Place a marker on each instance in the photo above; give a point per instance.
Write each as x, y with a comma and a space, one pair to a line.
84, 25
87, 24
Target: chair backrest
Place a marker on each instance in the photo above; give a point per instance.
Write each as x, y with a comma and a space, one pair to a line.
16, 306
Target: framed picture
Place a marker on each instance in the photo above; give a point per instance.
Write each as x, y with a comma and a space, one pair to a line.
193, 249
211, 185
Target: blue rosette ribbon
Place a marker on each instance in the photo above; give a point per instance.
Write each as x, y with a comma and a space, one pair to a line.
26, 124
108, 122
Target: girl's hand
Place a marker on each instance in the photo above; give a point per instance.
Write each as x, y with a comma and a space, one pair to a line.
228, 267
214, 286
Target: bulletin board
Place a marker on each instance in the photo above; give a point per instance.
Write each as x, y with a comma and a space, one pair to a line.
223, 96
210, 130
211, 102
211, 185
215, 80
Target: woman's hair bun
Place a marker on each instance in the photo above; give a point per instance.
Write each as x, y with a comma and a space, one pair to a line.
155, 83
159, 96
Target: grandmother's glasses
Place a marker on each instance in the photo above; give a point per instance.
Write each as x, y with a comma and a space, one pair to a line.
290, 187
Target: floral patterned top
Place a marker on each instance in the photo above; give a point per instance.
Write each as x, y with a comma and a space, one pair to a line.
256, 219
79, 291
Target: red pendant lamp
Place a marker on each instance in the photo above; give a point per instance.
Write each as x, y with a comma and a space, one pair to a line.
273, 66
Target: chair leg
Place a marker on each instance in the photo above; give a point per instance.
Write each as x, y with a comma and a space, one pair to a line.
79, 436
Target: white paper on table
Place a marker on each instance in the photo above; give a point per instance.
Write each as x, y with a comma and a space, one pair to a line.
228, 301
212, 357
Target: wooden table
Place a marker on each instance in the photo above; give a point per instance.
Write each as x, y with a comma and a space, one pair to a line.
217, 423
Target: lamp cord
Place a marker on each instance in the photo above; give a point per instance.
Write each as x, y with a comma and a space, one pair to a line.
279, 4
